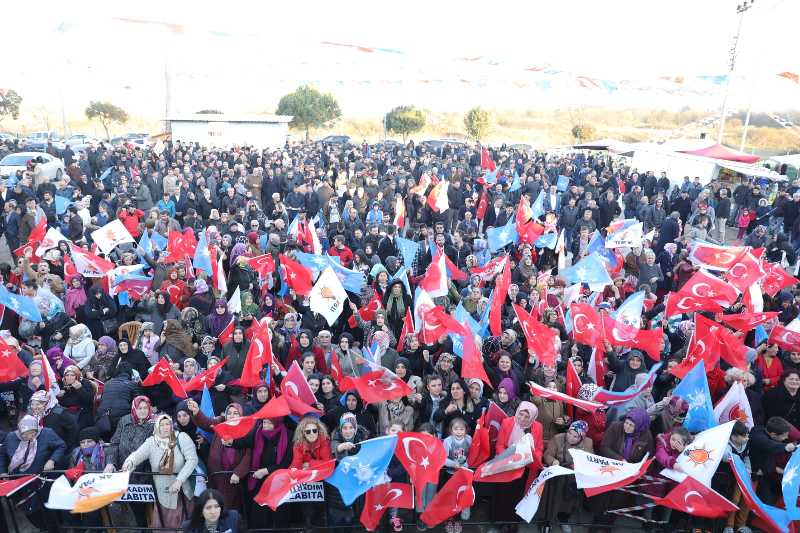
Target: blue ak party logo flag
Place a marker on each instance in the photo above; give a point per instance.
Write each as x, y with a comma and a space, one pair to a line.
590, 269
408, 249
22, 305
694, 390
358, 473
502, 236
202, 256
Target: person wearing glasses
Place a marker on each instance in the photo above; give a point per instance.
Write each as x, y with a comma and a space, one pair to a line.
311, 444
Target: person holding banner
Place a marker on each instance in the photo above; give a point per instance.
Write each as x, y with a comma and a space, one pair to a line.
310, 443
271, 451
561, 497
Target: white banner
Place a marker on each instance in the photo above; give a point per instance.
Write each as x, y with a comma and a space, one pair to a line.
306, 492
139, 494
529, 504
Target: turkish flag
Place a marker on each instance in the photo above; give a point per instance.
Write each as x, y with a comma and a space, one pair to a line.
296, 385
422, 456
263, 264
180, 245
490, 270
471, 359
501, 285
431, 328
163, 373
732, 348
703, 345
587, 326
381, 497
529, 232
650, 341
487, 163
435, 281
280, 482
494, 419
367, 312
455, 496
276, 407
136, 288
745, 271
483, 206
236, 428
9, 487
480, 449
702, 291
693, 498
205, 378
715, 257
380, 385
408, 327
297, 277
226, 335
76, 471
785, 338
680, 303
345, 382
746, 321
541, 339
777, 278
259, 355
38, 232
11, 366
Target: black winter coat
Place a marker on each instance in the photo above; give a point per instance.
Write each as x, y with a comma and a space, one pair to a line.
49, 447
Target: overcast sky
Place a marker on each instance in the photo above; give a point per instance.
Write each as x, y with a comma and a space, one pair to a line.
241, 56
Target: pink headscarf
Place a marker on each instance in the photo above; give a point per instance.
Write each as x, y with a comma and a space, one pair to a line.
518, 431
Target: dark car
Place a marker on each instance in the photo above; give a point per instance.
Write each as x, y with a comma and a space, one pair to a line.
336, 139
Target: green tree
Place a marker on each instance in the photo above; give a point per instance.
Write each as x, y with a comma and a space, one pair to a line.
405, 119
477, 122
106, 113
582, 131
309, 108
9, 104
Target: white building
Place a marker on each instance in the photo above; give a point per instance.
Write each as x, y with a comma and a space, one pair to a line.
223, 131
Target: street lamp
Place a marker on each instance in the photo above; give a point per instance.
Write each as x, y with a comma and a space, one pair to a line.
741, 9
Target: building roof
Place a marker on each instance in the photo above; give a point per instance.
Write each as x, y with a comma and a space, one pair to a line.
212, 117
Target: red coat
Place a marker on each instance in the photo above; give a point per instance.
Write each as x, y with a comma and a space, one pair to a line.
131, 222
773, 372
296, 354
345, 255
597, 425
506, 427
302, 453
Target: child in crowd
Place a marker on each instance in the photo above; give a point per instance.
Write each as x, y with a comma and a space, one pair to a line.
457, 447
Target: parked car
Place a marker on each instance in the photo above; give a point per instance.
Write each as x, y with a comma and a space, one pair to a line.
37, 141
51, 166
336, 139
7, 137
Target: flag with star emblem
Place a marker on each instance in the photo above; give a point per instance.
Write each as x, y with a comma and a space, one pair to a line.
529, 504
202, 255
650, 341
22, 305
510, 464
745, 272
790, 485
90, 265
775, 519
358, 473
502, 236
111, 235
408, 249
734, 406
782, 336
11, 367
695, 499
746, 321
700, 458
259, 355
715, 257
298, 277
587, 326
279, 483
352, 280
596, 475
540, 338
694, 390
315, 263
423, 456
180, 245
205, 378
591, 269
162, 372
381, 497
777, 278
380, 385
455, 496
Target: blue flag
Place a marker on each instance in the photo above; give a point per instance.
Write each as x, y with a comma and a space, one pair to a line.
562, 183
538, 206
502, 236
358, 473
402, 275
315, 263
694, 390
547, 240
124, 298
630, 312
490, 178
590, 269
598, 244
761, 336
22, 305
207, 408
778, 518
516, 184
465, 318
293, 227
790, 485
61, 204
352, 280
408, 249
106, 173
202, 256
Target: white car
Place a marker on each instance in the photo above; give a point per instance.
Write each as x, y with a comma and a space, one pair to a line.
51, 166
79, 139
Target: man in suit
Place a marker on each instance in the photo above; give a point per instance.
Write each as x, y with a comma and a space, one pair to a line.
669, 232
11, 225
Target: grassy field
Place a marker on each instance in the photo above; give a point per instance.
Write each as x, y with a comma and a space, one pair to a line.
540, 128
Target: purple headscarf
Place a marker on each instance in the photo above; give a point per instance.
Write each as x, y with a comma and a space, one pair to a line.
53, 354
238, 249
219, 321
510, 387
641, 421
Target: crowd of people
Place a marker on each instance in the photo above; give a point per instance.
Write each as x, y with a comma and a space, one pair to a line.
362, 198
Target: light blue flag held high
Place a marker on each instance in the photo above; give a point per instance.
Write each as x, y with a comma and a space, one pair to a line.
538, 206
313, 262
502, 236
547, 240
22, 305
694, 390
777, 518
562, 184
516, 184
590, 269
790, 485
207, 408
408, 249
352, 280
62, 204
402, 275
630, 312
358, 473
202, 256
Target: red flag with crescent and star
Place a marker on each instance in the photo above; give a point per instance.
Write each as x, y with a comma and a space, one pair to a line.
11, 366
541, 339
281, 482
785, 338
587, 326
297, 277
380, 385
746, 321
695, 499
162, 372
650, 341
423, 456
380, 497
777, 278
262, 264
746, 271
455, 496
259, 355
205, 378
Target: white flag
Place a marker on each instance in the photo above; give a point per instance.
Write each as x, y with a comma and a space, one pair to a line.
235, 303
327, 297
701, 458
91, 492
529, 504
112, 234
734, 406
51, 240
596, 474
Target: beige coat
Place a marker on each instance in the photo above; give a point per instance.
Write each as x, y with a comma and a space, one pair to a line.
185, 463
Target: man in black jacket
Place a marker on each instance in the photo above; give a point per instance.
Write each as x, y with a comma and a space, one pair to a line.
669, 231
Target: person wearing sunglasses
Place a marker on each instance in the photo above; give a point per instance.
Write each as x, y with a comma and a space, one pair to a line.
311, 444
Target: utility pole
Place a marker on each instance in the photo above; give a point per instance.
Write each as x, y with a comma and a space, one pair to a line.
741, 9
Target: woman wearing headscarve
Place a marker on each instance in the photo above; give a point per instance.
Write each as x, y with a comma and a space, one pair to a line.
90, 450
240, 274
225, 456
271, 451
505, 396
75, 298
476, 388
628, 439
561, 497
32, 449
173, 455
396, 411
45, 409
202, 299
175, 288
80, 346
176, 343
236, 352
101, 312
219, 318
157, 309
305, 345
595, 420
396, 301
457, 404
131, 432
328, 395
132, 356
353, 404
512, 429
58, 361
77, 396
104, 354
259, 399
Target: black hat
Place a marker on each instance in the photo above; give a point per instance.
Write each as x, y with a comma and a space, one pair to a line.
89, 433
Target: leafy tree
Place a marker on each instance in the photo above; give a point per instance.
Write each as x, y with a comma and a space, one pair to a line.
9, 104
209, 112
477, 122
404, 120
309, 107
582, 131
106, 113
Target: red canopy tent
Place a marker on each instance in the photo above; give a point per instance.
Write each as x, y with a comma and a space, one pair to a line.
717, 151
